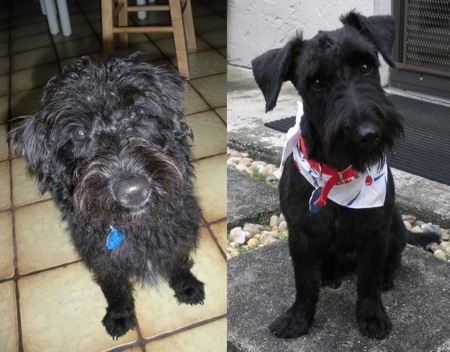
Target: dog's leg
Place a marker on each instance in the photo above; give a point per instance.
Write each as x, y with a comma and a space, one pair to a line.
371, 316
188, 289
397, 242
297, 320
120, 316
330, 270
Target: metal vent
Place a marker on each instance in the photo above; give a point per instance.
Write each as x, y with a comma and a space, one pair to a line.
427, 35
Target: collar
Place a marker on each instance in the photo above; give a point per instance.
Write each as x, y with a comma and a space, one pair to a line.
335, 177
347, 187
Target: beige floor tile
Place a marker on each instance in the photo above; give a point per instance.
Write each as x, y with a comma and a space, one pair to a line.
32, 58
213, 89
3, 108
4, 84
3, 144
209, 23
167, 46
157, 309
24, 184
206, 63
6, 246
30, 43
211, 187
8, 317
216, 38
4, 65
33, 78
220, 233
42, 239
79, 47
4, 185
222, 113
204, 338
193, 102
26, 103
210, 134
62, 309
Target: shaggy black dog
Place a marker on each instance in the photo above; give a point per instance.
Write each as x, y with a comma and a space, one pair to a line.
111, 145
336, 191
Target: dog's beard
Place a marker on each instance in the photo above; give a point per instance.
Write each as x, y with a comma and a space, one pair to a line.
94, 195
341, 145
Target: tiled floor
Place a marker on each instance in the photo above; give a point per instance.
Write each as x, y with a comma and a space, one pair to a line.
48, 301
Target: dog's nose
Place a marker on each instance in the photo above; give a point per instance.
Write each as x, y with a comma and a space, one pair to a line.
369, 135
132, 191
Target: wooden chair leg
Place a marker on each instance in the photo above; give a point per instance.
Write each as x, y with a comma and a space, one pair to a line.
179, 38
123, 22
189, 30
107, 26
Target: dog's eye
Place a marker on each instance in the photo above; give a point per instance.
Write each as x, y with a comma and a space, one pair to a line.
316, 84
365, 69
136, 115
79, 134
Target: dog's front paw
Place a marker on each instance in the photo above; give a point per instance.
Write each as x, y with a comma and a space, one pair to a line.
190, 291
373, 322
118, 321
291, 324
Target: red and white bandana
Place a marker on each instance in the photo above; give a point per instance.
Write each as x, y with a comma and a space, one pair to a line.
348, 188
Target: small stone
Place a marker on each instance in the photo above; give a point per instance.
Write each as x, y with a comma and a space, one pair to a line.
418, 223
271, 180
267, 238
246, 161
252, 243
271, 169
274, 220
262, 170
434, 246
231, 163
270, 233
234, 154
257, 236
417, 229
445, 235
258, 163
252, 229
282, 226
429, 227
235, 159
407, 225
238, 235
440, 254
447, 250
233, 254
244, 169
233, 245
410, 218
282, 218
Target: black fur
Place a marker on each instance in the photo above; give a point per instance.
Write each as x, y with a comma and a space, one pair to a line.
110, 144
336, 74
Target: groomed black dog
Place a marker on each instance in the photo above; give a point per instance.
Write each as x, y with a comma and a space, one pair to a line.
111, 145
336, 191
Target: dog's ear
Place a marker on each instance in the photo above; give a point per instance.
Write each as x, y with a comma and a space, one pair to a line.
30, 141
274, 67
380, 30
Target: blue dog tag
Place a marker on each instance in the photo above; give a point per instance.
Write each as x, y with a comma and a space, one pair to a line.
314, 208
114, 239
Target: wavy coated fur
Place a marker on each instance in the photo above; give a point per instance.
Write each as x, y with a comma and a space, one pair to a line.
347, 121
110, 143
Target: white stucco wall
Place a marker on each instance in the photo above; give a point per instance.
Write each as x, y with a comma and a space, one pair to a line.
255, 26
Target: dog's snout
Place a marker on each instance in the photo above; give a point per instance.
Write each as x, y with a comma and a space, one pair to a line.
132, 191
369, 135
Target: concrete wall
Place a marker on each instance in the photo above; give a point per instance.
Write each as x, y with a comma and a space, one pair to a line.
255, 26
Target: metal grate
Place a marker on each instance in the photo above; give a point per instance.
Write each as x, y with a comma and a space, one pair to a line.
427, 35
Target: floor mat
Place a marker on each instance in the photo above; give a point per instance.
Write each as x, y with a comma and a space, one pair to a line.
425, 150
